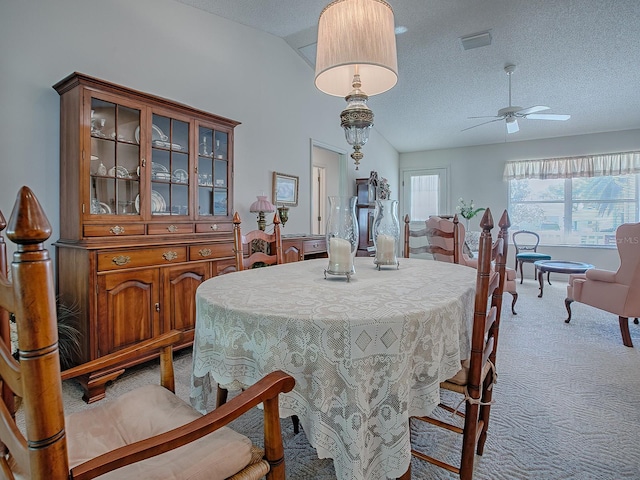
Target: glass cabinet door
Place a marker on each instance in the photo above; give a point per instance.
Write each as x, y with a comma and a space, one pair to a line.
213, 172
114, 172
169, 166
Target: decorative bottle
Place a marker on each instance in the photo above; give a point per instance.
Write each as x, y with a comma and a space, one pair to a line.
342, 236
386, 233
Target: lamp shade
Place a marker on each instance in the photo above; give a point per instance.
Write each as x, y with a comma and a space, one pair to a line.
356, 37
262, 205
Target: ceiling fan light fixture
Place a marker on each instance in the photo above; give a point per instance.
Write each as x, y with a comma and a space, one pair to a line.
511, 113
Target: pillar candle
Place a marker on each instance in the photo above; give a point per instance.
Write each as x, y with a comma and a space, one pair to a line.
340, 254
385, 248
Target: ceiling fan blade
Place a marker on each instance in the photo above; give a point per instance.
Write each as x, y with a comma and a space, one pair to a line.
512, 127
548, 116
534, 109
483, 123
488, 116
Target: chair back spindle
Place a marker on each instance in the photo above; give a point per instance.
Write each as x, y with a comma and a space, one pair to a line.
43, 452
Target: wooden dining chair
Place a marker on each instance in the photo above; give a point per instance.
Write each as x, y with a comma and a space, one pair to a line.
250, 252
477, 376
435, 241
257, 246
146, 433
446, 238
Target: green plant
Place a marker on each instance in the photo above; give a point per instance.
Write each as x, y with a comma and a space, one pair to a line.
68, 334
467, 211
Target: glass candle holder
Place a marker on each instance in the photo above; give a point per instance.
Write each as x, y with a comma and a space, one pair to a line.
386, 233
342, 236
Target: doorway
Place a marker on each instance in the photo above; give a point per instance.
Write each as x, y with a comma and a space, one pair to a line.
425, 193
328, 177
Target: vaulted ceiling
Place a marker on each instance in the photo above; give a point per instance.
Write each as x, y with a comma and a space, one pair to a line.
578, 57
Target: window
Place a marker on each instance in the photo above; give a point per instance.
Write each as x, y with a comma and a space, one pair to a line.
574, 200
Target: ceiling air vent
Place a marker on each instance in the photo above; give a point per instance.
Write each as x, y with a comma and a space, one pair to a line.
476, 40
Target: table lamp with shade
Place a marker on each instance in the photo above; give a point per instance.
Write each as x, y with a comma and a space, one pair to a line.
260, 206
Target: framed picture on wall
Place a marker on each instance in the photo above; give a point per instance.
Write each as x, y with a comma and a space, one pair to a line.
285, 189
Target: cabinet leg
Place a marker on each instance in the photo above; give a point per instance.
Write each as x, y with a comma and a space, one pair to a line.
95, 384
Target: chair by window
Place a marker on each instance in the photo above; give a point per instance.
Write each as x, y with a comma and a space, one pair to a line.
614, 292
476, 378
137, 435
526, 244
257, 246
445, 246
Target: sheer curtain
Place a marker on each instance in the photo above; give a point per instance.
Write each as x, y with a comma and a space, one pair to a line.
610, 164
425, 197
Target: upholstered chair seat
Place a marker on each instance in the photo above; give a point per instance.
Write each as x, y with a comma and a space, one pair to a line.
143, 413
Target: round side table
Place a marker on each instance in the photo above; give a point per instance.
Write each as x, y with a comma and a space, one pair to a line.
558, 266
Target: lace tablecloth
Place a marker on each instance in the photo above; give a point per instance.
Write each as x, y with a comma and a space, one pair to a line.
365, 355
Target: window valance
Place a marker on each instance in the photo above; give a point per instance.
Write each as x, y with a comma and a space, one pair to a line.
571, 167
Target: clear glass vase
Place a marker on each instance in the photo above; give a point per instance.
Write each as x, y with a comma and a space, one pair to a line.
342, 236
386, 233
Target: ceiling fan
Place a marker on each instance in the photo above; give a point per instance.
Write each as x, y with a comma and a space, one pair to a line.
511, 114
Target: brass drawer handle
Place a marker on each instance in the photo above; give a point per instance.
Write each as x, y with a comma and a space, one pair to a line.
170, 255
204, 252
172, 228
117, 230
121, 260
214, 227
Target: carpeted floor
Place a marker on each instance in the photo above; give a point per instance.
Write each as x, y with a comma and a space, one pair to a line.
567, 400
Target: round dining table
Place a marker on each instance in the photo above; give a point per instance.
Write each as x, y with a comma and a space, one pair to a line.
366, 354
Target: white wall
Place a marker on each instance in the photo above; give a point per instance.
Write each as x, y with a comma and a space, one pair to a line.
476, 173
168, 49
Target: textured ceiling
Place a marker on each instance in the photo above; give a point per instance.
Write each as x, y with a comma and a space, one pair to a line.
580, 57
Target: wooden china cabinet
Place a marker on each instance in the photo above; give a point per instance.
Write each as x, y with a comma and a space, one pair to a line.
146, 203
365, 210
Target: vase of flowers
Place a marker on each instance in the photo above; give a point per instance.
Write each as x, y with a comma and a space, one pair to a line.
467, 210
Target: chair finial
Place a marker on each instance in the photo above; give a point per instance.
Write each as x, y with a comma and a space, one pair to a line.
28, 223
487, 220
505, 221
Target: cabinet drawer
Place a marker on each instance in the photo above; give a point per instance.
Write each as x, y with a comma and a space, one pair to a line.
168, 228
214, 227
314, 246
217, 250
113, 230
119, 259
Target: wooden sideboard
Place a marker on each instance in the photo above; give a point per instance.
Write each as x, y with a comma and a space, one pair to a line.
303, 247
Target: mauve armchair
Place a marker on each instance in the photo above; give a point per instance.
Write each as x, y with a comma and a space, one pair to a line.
614, 292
